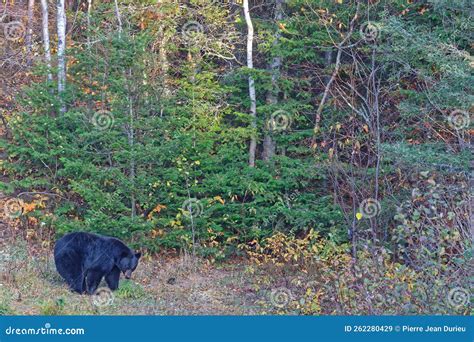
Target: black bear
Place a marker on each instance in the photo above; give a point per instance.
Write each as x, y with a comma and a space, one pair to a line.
82, 259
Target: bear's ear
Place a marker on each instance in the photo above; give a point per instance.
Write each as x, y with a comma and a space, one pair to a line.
138, 255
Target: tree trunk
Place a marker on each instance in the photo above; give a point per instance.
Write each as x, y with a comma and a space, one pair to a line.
253, 100
335, 73
131, 143
163, 60
88, 18
269, 144
29, 30
61, 25
46, 47
130, 129
119, 18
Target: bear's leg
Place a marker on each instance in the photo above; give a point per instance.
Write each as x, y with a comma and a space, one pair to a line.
69, 267
93, 279
112, 278
78, 285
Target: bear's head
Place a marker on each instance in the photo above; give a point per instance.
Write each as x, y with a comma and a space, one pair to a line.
128, 263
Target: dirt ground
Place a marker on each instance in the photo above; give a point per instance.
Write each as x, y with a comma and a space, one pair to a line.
30, 285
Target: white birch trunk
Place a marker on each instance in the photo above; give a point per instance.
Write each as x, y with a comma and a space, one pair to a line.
46, 46
29, 30
253, 100
61, 26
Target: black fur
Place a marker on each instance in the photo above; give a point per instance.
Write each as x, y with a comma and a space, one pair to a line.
82, 259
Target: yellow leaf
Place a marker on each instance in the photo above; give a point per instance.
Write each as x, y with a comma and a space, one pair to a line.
157, 209
359, 216
27, 207
231, 239
219, 198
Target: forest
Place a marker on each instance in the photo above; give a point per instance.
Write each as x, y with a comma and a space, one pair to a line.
295, 157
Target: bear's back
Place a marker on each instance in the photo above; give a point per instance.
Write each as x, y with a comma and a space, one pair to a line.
78, 241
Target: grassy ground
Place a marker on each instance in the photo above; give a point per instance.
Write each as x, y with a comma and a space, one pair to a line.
30, 285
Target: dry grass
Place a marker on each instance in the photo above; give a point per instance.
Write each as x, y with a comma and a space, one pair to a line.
30, 285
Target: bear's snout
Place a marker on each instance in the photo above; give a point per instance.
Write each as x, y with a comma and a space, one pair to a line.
128, 274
